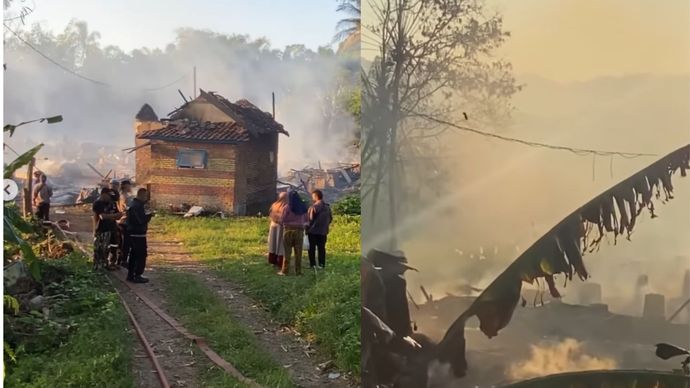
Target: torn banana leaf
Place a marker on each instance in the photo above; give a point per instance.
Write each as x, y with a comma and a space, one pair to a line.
561, 249
21, 161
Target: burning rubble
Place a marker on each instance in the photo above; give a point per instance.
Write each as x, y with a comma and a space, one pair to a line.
336, 182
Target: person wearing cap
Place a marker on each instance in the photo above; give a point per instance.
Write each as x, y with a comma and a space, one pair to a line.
41, 197
123, 205
105, 215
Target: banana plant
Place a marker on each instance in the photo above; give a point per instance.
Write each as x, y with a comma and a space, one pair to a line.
13, 222
615, 211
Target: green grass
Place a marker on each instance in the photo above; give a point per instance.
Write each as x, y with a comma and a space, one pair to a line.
323, 306
207, 316
85, 342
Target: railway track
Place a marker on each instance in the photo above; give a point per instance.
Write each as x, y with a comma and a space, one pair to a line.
200, 342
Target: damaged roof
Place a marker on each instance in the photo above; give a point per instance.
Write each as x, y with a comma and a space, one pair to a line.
248, 115
193, 131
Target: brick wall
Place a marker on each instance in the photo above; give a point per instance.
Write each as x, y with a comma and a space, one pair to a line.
239, 179
212, 188
260, 173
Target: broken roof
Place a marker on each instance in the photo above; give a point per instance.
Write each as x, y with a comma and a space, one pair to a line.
146, 113
248, 115
192, 131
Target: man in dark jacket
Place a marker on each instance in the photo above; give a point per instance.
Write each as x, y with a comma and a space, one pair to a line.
320, 218
105, 215
137, 226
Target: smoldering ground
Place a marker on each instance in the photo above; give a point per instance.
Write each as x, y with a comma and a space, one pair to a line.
308, 86
504, 196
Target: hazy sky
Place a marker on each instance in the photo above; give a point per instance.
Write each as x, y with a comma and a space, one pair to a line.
132, 24
572, 40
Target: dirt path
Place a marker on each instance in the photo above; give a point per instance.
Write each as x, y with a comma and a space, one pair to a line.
283, 344
180, 359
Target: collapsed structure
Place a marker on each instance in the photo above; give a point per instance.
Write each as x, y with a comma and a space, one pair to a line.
334, 182
210, 152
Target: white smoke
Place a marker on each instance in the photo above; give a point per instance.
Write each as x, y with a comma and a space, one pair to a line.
568, 355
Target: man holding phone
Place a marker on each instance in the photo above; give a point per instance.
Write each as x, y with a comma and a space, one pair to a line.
137, 225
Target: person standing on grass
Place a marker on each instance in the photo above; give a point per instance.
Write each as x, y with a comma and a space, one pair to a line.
294, 221
41, 198
137, 225
320, 218
276, 246
123, 205
104, 217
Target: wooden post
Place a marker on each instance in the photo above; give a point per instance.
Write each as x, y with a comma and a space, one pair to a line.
28, 189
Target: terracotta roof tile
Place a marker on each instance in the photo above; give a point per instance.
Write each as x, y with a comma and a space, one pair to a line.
191, 131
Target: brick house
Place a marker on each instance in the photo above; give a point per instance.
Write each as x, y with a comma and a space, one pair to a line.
210, 152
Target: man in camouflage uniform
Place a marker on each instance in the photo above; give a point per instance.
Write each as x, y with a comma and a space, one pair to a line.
105, 215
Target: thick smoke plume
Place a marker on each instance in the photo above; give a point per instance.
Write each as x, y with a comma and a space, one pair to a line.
309, 88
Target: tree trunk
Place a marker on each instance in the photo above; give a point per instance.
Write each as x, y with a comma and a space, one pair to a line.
28, 190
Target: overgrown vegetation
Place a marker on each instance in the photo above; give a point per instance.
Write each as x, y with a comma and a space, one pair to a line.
349, 205
323, 305
54, 317
76, 336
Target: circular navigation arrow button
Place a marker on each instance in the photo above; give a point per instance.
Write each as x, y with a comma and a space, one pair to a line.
10, 190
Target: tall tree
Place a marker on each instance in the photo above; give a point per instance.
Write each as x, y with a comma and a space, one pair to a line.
434, 59
349, 28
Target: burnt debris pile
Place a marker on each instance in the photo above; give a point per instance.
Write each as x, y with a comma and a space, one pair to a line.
335, 182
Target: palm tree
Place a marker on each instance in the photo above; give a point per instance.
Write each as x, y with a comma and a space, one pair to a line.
349, 28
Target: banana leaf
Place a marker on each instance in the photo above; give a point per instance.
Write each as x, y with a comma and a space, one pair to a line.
561, 249
12, 215
10, 235
21, 161
13, 222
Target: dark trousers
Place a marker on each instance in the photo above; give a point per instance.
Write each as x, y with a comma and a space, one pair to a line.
125, 245
137, 256
317, 242
43, 212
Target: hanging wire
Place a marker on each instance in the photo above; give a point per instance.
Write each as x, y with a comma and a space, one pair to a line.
94, 81
574, 150
51, 60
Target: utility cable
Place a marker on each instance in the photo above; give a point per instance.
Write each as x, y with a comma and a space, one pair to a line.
58, 64
576, 151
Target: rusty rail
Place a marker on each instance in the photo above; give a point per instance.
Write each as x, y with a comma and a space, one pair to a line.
199, 341
149, 351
